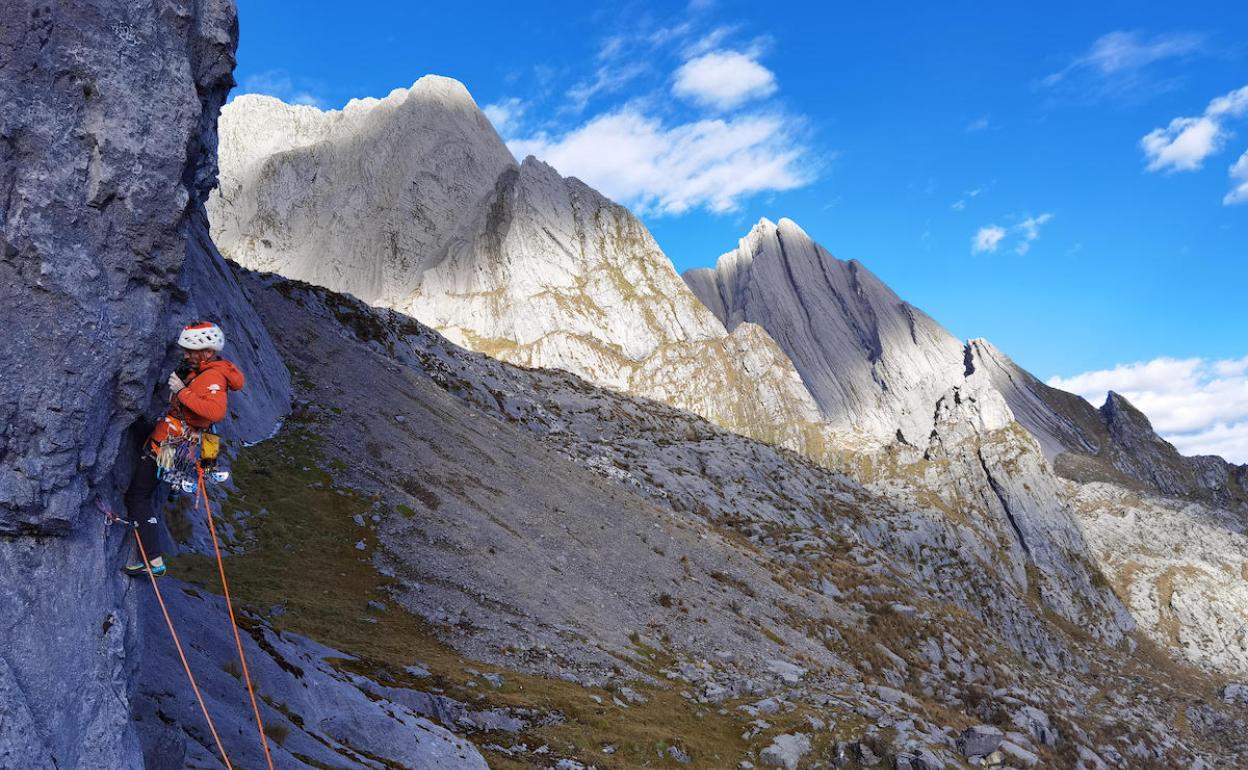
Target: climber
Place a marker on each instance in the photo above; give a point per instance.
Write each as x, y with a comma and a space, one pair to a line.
196, 403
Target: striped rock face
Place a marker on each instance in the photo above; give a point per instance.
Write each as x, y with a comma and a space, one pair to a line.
413, 202
874, 363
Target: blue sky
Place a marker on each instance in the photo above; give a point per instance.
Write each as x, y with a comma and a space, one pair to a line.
1060, 179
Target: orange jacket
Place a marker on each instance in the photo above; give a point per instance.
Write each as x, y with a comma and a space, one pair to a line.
202, 402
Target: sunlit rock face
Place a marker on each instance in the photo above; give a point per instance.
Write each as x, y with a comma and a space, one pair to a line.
875, 365
413, 202
358, 199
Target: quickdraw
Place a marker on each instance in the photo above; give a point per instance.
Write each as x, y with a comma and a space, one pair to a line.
111, 518
180, 460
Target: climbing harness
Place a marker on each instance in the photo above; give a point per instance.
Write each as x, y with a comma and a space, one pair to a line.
112, 518
225, 587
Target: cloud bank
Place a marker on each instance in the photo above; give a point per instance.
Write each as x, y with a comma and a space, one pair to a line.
637, 160
1199, 405
710, 147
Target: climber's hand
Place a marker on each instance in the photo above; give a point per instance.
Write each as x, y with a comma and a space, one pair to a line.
175, 383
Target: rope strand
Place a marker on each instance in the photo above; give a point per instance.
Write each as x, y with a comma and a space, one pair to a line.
177, 643
233, 623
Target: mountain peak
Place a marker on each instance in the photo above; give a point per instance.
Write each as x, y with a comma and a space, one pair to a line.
448, 90
419, 160
789, 227
873, 363
1121, 414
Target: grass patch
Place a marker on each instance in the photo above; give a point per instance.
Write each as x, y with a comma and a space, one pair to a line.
277, 733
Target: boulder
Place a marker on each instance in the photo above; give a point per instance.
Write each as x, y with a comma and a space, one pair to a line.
980, 740
786, 751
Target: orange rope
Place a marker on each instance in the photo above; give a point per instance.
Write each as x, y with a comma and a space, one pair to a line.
237, 640
176, 643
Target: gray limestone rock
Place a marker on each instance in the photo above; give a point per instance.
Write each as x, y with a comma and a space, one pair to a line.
1115, 443
324, 716
980, 740
919, 760
786, 751
107, 148
1234, 692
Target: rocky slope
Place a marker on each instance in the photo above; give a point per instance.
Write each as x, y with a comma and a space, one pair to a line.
668, 586
413, 202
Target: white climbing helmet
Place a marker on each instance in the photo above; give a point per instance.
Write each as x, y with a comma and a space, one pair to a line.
202, 335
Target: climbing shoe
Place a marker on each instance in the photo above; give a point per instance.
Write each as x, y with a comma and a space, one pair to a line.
139, 570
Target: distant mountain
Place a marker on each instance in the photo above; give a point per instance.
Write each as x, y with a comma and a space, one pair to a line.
358, 199
1115, 443
413, 202
876, 365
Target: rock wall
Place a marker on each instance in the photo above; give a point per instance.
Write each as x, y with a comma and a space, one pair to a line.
107, 150
1115, 443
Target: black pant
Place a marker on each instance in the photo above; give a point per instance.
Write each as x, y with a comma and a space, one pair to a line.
141, 506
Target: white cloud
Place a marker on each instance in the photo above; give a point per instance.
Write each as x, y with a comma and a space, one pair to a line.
987, 239
505, 114
1029, 229
960, 204
1119, 56
979, 124
1234, 104
637, 160
1239, 177
1185, 143
608, 78
1199, 405
278, 83
723, 79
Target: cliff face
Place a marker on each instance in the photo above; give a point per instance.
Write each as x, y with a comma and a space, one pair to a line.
358, 199
107, 150
412, 202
